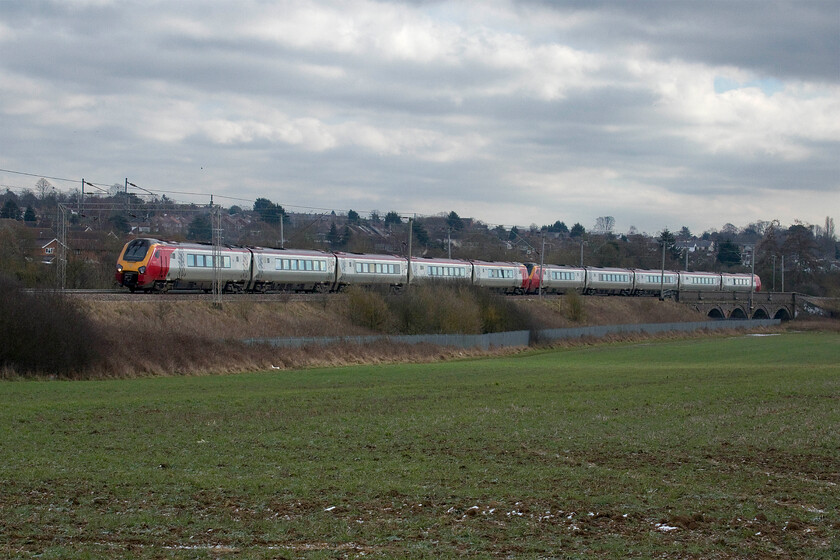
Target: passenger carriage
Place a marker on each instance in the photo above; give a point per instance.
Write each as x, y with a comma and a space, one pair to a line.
654, 282
609, 281
440, 270
700, 282
505, 277
370, 270
740, 283
191, 267
557, 279
293, 270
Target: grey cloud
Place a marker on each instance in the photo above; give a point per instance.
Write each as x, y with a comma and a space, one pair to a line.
788, 40
127, 63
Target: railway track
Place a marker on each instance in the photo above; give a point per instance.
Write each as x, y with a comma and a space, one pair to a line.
185, 295
195, 295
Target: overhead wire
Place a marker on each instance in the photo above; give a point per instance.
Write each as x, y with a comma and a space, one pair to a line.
155, 192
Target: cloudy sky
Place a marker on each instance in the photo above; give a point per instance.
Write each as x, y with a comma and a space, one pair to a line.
659, 113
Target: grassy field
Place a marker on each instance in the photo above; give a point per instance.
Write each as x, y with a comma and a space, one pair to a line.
717, 447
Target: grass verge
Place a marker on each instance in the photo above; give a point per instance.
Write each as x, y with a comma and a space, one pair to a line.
721, 447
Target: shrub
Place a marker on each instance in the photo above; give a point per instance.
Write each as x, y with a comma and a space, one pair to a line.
500, 314
367, 309
575, 311
436, 308
44, 333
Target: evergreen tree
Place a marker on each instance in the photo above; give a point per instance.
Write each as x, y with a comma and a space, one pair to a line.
29, 215
454, 221
392, 218
120, 223
269, 212
421, 234
728, 253
558, 227
333, 237
10, 210
200, 229
577, 230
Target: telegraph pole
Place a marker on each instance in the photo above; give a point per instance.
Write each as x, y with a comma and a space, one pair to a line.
752, 280
542, 264
662, 278
410, 235
216, 225
783, 273
61, 269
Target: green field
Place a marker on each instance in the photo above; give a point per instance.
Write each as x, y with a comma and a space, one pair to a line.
721, 447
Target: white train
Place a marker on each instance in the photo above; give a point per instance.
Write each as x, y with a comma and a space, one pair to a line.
150, 265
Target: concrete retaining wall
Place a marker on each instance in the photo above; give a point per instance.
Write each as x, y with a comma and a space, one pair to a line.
514, 338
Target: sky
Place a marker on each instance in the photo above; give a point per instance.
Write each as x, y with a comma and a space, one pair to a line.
661, 114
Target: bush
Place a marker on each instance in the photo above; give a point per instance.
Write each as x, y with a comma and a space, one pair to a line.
367, 309
44, 333
499, 313
436, 308
575, 311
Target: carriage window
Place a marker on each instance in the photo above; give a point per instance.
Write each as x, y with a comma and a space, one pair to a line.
190, 260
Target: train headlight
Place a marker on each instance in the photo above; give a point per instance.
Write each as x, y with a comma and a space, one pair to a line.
142, 270
119, 268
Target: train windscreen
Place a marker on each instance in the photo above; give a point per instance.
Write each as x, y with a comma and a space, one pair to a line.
136, 250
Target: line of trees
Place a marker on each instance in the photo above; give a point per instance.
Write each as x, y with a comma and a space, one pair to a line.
810, 252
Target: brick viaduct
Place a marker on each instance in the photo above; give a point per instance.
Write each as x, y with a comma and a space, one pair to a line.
739, 305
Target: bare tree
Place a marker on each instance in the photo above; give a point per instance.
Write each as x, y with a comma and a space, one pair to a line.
43, 188
604, 224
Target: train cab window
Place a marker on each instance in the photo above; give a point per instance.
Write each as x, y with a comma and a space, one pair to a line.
136, 250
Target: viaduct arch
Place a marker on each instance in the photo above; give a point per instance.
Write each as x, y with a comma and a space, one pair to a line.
731, 305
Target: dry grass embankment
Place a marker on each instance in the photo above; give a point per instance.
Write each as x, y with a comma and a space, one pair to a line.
49, 336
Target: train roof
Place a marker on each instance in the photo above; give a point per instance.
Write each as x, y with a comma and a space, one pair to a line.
654, 271
563, 266
438, 260
496, 263
274, 251
370, 256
